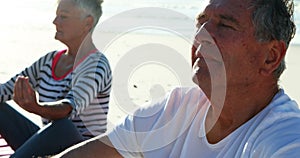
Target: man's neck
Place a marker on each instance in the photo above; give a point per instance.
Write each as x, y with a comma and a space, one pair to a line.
239, 107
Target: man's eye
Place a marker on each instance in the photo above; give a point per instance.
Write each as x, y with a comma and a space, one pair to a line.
201, 19
226, 26
200, 23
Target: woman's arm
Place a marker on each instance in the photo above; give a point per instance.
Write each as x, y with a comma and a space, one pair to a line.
25, 97
7, 89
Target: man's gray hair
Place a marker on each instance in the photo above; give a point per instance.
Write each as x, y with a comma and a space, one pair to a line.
273, 20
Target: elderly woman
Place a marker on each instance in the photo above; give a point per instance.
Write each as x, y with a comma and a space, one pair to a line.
73, 87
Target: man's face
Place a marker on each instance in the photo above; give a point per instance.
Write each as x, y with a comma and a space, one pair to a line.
225, 47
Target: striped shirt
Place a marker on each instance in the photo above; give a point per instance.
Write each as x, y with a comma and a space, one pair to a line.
86, 88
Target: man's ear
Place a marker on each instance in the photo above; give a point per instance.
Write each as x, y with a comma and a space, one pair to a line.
89, 20
275, 55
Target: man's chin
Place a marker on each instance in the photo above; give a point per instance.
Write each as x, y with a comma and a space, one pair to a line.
195, 79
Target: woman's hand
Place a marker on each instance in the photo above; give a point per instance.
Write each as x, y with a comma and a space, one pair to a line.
24, 95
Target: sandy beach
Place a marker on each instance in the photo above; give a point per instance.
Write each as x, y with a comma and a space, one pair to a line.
143, 81
145, 65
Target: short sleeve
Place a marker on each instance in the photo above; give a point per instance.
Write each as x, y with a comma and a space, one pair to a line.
128, 136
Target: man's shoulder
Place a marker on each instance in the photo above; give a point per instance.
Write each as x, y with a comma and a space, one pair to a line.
276, 128
281, 136
283, 115
183, 102
189, 97
186, 92
283, 107
177, 97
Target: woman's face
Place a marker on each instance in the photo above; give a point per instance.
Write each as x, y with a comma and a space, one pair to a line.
70, 22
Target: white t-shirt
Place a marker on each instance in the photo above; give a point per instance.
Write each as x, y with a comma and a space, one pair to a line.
174, 128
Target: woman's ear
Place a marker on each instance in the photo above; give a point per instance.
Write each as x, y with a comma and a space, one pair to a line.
275, 55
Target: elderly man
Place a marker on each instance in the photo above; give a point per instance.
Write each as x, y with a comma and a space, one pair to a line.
237, 110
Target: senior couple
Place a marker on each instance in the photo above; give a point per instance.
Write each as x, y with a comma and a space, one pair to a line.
236, 108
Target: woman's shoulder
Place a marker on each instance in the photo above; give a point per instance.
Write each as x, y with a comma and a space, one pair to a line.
50, 55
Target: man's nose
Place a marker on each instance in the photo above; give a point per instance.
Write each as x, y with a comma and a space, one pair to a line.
205, 44
203, 37
202, 41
